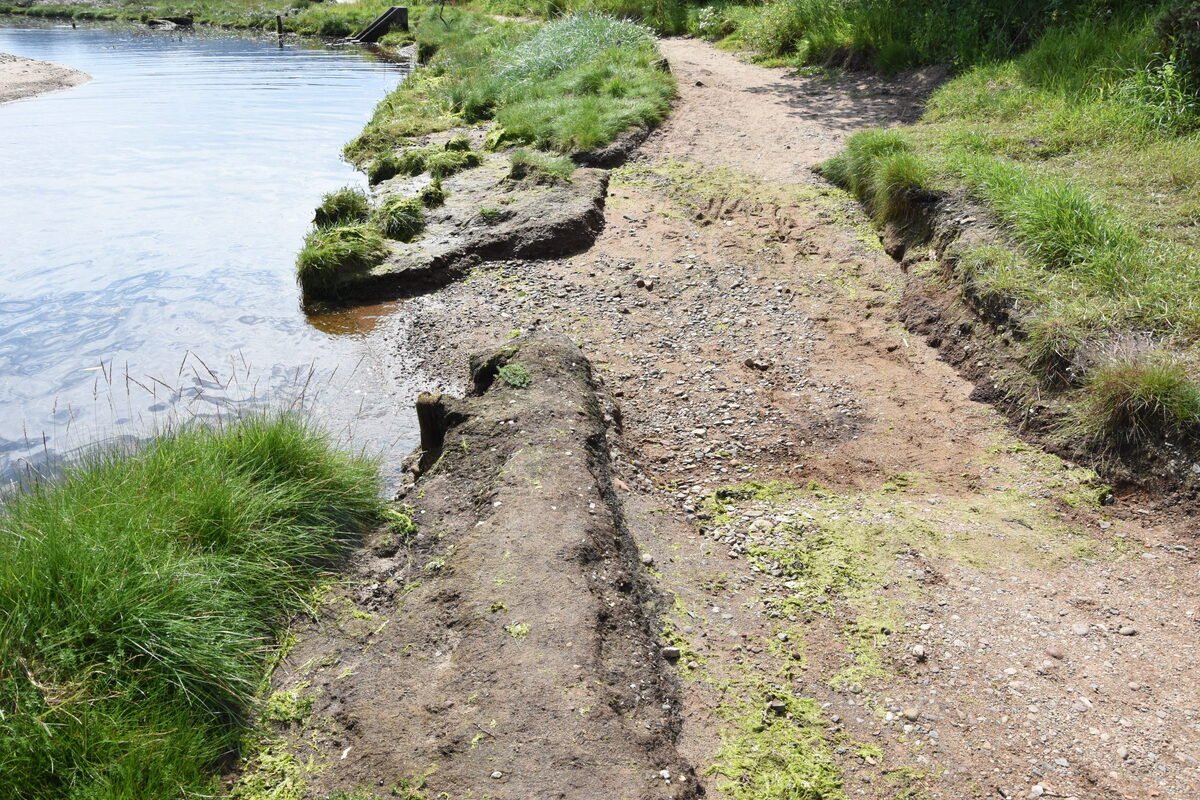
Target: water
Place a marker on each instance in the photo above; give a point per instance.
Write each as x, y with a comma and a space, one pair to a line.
149, 222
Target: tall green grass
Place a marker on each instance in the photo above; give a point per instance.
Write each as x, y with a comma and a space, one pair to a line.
571, 84
141, 595
330, 254
1086, 149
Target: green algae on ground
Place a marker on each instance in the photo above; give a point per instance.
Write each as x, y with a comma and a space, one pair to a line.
774, 746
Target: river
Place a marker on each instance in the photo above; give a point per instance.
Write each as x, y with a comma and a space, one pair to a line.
149, 222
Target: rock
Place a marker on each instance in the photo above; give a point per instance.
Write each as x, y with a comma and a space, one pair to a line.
911, 714
918, 651
1080, 629
760, 364
1037, 790
497, 775
671, 653
1122, 752
1127, 630
777, 707
1054, 651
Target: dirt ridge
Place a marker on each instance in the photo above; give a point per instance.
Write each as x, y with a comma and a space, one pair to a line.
509, 648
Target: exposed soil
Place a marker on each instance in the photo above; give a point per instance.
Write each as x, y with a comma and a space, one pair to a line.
899, 599
26, 77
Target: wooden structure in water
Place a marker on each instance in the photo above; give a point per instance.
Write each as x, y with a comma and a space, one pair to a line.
394, 17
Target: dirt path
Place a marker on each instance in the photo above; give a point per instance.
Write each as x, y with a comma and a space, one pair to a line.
26, 77
769, 123
873, 588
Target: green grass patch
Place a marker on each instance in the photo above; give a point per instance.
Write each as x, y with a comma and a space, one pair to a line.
142, 592
401, 218
530, 165
346, 206
330, 254
515, 375
571, 84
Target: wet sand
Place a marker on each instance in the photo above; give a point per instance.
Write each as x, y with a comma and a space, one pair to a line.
26, 77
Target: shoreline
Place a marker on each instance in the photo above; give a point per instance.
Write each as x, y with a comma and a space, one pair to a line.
27, 77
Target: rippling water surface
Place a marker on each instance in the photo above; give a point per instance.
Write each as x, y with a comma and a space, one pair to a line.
149, 222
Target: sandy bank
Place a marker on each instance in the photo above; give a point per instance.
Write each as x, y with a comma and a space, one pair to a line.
26, 77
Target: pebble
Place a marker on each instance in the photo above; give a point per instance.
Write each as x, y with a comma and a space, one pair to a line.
1080, 629
648, 559
497, 775
911, 714
1037, 790
1055, 651
1122, 752
918, 652
670, 653
1127, 630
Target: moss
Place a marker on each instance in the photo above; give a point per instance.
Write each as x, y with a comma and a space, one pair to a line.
287, 706
517, 630
774, 746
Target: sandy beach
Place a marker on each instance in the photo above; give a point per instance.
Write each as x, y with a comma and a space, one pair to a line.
26, 77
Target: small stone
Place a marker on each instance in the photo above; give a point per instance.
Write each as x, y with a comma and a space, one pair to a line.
1080, 629
671, 653
1054, 651
1122, 752
918, 652
777, 707
648, 559
911, 714
1127, 630
1037, 790
497, 775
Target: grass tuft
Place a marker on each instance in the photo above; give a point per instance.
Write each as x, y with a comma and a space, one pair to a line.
343, 207
401, 218
331, 253
1130, 401
530, 165
141, 594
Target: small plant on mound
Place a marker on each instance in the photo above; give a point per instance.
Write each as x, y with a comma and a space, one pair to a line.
515, 375
400, 218
343, 207
1135, 399
540, 167
490, 215
331, 253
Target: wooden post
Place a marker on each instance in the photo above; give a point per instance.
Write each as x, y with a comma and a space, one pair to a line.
279, 25
429, 420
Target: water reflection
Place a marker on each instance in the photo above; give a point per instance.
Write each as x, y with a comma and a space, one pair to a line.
150, 219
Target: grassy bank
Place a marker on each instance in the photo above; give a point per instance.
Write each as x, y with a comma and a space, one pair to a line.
299, 16
1085, 148
568, 85
141, 595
